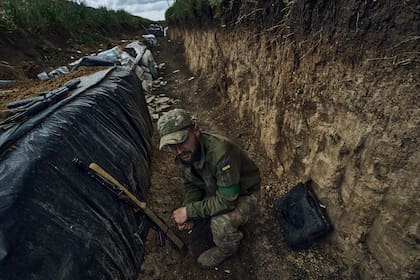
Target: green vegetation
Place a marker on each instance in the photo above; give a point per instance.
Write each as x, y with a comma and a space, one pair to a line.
215, 3
45, 15
185, 10
289, 2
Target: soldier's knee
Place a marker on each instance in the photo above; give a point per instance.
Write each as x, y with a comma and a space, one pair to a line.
220, 225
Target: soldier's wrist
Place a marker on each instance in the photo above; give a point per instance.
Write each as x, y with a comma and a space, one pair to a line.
190, 211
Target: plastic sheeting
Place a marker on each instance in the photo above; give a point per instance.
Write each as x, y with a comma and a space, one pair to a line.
150, 39
117, 56
54, 73
147, 63
94, 61
133, 53
56, 222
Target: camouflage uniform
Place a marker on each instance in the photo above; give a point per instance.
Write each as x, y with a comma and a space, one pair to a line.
223, 184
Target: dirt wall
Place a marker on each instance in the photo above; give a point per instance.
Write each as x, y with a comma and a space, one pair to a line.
333, 93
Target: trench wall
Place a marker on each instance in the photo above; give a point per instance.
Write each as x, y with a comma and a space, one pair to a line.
333, 95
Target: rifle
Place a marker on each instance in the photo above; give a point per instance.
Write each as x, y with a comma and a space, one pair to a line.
124, 194
30, 106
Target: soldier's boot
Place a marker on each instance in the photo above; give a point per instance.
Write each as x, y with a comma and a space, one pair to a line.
214, 256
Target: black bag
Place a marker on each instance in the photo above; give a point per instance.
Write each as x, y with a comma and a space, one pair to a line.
301, 216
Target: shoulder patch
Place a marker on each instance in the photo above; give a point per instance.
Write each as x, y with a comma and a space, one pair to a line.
225, 166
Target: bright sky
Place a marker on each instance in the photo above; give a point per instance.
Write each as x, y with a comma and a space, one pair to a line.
150, 9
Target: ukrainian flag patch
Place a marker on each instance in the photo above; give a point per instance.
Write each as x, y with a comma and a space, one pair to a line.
225, 166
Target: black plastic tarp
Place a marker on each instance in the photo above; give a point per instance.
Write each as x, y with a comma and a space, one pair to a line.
56, 222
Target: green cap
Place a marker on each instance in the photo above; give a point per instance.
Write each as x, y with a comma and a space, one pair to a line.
173, 127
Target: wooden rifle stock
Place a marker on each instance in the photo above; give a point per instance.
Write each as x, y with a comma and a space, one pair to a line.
133, 201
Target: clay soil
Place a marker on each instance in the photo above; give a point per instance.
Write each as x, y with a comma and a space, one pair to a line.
263, 253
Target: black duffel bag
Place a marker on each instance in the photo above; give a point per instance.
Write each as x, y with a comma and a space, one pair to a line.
302, 218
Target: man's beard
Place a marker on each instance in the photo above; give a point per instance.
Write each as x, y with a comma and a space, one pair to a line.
195, 155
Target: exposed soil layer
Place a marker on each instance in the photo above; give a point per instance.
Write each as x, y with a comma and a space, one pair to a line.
331, 89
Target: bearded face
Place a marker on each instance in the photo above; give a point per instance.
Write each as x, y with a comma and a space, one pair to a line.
189, 150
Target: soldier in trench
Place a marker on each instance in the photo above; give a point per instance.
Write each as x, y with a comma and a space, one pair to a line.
221, 183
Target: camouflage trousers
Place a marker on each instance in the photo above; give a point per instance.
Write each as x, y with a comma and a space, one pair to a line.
225, 227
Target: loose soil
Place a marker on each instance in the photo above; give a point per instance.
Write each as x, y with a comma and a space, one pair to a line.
28, 88
263, 253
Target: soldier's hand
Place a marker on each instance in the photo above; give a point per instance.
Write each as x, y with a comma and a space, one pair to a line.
186, 226
180, 215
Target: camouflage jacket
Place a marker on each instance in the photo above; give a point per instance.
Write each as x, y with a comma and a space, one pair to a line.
214, 182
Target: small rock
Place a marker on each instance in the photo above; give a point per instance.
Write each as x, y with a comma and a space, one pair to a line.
162, 108
191, 78
162, 100
42, 76
175, 71
150, 99
227, 271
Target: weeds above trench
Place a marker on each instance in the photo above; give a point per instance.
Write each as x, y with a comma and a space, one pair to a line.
226, 12
45, 15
